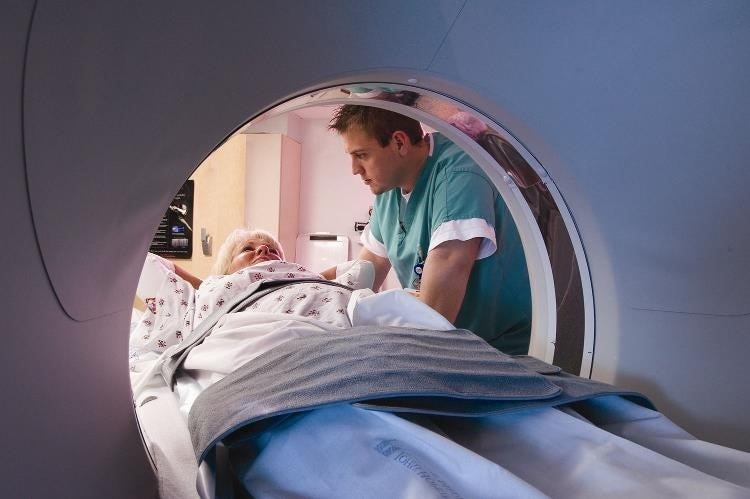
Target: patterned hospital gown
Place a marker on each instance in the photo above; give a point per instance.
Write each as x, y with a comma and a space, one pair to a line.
177, 308
307, 299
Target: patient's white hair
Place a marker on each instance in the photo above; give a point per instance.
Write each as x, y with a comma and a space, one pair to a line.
234, 242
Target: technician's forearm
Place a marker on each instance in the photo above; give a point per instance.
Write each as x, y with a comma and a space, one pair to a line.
446, 276
444, 296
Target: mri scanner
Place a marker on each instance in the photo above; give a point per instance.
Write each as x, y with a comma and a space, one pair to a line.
632, 114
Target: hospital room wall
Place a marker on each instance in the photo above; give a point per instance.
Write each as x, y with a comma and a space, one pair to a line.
331, 198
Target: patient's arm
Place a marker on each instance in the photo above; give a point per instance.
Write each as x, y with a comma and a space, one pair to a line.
446, 274
193, 280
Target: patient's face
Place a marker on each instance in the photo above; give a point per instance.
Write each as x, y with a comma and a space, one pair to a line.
253, 251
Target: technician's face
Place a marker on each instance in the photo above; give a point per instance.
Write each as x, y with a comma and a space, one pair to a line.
379, 167
252, 252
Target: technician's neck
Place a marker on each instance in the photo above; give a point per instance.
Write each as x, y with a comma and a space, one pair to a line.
418, 157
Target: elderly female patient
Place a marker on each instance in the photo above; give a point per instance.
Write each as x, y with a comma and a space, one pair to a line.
177, 302
247, 256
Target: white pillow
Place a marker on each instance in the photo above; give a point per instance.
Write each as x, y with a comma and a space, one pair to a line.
153, 274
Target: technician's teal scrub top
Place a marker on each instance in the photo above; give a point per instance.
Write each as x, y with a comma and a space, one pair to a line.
451, 186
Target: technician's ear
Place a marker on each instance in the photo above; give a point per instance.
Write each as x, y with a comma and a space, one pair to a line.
401, 142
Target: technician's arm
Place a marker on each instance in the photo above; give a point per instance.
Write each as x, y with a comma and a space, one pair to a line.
446, 274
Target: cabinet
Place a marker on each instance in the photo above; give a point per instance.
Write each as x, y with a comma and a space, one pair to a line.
272, 187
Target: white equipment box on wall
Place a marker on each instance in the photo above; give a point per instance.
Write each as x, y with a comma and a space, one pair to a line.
319, 251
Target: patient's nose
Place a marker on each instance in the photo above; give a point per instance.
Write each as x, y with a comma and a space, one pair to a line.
262, 249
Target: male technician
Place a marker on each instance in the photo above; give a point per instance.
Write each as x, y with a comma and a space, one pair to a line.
442, 225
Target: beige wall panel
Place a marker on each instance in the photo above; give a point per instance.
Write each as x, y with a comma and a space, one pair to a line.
219, 201
273, 187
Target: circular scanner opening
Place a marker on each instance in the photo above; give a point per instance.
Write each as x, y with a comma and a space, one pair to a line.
562, 304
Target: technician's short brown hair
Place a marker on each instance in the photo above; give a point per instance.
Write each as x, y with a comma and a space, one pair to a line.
376, 122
